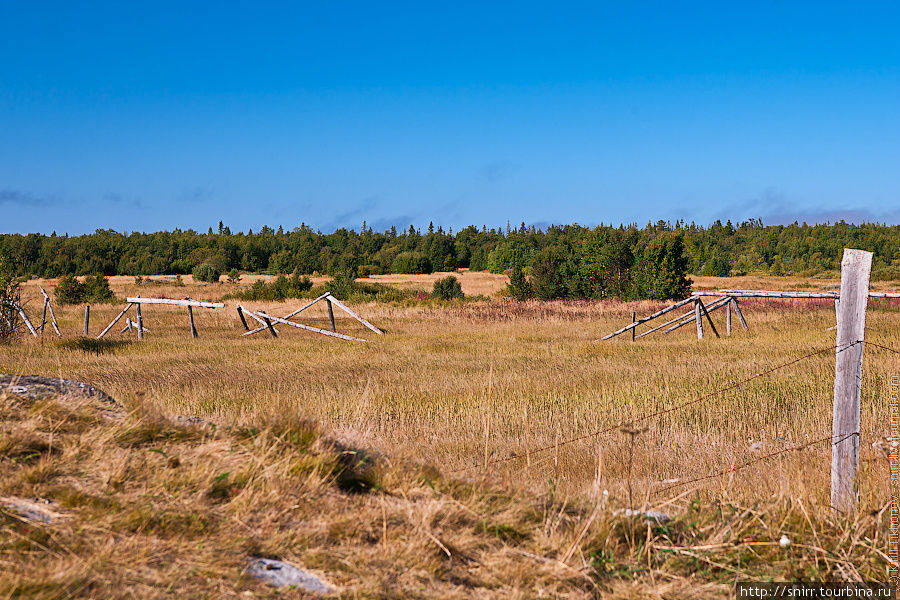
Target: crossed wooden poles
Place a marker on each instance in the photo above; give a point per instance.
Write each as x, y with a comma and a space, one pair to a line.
139, 324
266, 320
722, 298
31, 328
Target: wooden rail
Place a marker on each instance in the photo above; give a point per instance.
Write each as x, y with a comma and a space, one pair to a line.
140, 300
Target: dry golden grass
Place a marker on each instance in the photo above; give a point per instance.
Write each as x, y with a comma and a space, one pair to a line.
452, 387
473, 283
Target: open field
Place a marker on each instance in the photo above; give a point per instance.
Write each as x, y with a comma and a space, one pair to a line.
470, 394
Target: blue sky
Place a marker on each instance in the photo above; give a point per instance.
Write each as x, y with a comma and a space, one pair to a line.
148, 116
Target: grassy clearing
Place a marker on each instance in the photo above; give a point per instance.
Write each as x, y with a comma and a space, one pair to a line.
448, 389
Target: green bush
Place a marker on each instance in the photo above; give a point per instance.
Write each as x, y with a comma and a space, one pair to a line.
180, 267
519, 287
234, 276
69, 290
94, 288
281, 289
411, 262
206, 272
447, 288
342, 286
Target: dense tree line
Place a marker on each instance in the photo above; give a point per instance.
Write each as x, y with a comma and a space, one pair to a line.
560, 261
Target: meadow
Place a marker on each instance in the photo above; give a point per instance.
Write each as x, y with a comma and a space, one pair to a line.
484, 474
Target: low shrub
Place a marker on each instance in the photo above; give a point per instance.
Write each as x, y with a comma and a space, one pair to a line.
447, 288
69, 290
282, 288
206, 272
94, 288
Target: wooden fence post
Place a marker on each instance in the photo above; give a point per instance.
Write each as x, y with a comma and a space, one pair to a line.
633, 320
140, 321
87, 317
243, 320
708, 318
44, 317
737, 311
330, 314
728, 318
191, 318
856, 266
699, 319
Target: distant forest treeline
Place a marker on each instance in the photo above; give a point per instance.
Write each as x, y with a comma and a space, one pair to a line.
567, 260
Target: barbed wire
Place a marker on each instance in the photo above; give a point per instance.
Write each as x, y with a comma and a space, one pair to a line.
632, 422
875, 345
755, 460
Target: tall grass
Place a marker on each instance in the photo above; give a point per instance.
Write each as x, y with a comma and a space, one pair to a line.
475, 390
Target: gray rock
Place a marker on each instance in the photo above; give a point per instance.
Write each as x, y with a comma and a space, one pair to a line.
650, 515
34, 387
30, 511
281, 574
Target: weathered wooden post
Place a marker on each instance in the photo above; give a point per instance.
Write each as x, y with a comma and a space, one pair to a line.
140, 320
633, 320
699, 319
87, 317
52, 316
191, 318
740, 315
708, 318
331, 316
856, 267
44, 316
268, 323
243, 320
728, 318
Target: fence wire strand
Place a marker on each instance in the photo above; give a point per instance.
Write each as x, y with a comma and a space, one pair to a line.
755, 460
632, 422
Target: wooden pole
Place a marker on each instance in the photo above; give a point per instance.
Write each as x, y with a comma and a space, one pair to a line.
302, 326
268, 326
658, 313
114, 321
689, 315
692, 316
708, 318
330, 314
296, 312
140, 321
856, 267
26, 319
243, 320
633, 320
268, 323
740, 315
44, 316
191, 317
52, 316
699, 318
350, 312
87, 317
728, 318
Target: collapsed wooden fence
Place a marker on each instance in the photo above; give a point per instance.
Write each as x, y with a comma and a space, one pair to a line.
727, 299
266, 319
